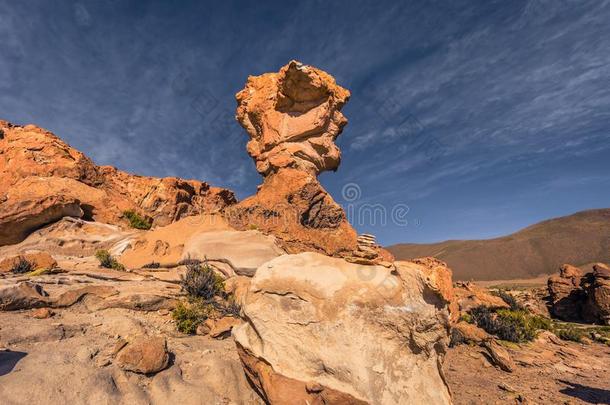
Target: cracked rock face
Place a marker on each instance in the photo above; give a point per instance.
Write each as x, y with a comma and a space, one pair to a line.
293, 118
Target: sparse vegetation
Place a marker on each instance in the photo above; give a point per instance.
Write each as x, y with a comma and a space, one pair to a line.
516, 326
206, 298
23, 266
231, 308
510, 300
152, 265
570, 333
136, 221
108, 261
466, 317
189, 315
189, 261
202, 282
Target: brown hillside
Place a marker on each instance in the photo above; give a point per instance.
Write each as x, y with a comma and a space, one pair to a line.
580, 238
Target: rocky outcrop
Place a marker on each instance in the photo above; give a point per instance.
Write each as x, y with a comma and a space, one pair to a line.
597, 306
468, 296
566, 295
293, 118
44, 179
322, 330
575, 296
439, 275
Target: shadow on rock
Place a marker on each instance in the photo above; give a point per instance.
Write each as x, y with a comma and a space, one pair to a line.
8, 361
590, 395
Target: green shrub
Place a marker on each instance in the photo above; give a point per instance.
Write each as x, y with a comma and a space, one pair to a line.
510, 300
570, 333
514, 326
152, 265
136, 221
202, 282
191, 314
466, 317
23, 266
231, 308
107, 261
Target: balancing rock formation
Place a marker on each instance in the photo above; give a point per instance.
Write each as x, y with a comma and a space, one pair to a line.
43, 179
293, 118
350, 329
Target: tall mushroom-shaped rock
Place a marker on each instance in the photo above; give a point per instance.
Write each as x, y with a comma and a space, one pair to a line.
293, 118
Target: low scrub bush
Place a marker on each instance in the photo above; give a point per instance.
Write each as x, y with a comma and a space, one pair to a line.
569, 333
206, 298
108, 261
189, 315
202, 282
512, 325
136, 221
152, 265
510, 300
23, 266
231, 308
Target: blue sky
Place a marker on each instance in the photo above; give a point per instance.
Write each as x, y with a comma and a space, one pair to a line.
481, 117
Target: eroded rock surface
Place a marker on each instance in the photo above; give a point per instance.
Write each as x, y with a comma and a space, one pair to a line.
293, 118
320, 327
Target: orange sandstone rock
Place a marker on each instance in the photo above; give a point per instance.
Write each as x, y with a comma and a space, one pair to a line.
43, 179
293, 118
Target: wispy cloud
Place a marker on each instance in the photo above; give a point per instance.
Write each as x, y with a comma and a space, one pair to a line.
465, 96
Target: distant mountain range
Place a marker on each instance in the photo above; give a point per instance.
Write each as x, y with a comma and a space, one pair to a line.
578, 239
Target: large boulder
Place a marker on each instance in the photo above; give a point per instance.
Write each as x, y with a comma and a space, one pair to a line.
597, 307
566, 295
24, 295
322, 330
575, 296
39, 260
44, 179
145, 355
